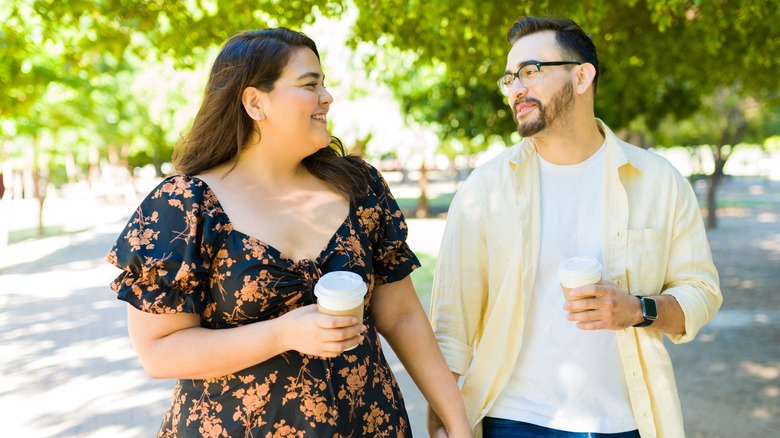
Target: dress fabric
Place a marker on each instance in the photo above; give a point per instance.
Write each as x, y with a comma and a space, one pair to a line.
180, 253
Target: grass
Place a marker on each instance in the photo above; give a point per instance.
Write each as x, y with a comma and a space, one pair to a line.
438, 205
423, 277
741, 203
22, 234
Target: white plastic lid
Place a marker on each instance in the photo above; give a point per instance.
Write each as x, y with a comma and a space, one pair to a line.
579, 271
340, 286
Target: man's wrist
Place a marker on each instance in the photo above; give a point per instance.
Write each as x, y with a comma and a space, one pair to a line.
649, 311
638, 317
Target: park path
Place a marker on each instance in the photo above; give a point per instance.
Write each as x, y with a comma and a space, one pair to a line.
68, 369
67, 366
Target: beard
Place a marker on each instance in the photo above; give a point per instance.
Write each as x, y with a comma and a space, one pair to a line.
560, 105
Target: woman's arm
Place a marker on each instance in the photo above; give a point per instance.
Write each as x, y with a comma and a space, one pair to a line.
176, 346
401, 319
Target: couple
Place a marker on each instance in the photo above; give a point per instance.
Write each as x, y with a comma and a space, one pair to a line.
219, 264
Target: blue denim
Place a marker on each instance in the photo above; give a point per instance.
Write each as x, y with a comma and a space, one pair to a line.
501, 428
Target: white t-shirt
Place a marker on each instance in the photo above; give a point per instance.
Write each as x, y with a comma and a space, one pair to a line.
566, 378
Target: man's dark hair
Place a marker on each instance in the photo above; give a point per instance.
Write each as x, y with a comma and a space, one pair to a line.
572, 40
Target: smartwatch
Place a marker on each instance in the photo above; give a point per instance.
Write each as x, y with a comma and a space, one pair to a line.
649, 311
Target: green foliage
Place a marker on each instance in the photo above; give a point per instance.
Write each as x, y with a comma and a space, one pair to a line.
657, 56
117, 75
725, 118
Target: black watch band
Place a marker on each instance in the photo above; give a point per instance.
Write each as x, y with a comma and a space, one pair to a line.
649, 311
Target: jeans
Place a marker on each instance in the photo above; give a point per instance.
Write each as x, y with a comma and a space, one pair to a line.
501, 428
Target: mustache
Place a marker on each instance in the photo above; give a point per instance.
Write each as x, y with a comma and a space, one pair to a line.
526, 100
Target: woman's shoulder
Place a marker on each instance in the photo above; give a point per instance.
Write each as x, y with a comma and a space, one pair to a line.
184, 192
180, 185
372, 173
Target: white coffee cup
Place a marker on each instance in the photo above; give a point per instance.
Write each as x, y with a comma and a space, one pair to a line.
341, 293
576, 272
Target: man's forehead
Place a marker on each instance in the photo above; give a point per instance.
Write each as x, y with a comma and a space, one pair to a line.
539, 46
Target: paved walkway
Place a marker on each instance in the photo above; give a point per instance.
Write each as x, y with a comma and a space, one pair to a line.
67, 366
68, 369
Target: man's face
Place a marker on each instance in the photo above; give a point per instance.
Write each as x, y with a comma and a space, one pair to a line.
550, 98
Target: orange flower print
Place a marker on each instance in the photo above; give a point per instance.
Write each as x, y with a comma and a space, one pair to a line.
356, 378
254, 399
257, 249
139, 238
374, 422
368, 218
283, 430
191, 229
180, 252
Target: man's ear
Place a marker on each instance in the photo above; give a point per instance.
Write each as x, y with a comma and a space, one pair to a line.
585, 75
251, 98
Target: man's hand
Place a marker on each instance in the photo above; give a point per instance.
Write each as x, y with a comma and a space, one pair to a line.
605, 308
436, 428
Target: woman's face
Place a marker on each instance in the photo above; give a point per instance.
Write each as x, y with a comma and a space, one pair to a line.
295, 111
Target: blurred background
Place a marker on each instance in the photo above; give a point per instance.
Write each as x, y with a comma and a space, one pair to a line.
94, 96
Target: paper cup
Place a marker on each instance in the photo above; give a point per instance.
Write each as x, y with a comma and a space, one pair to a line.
577, 272
341, 293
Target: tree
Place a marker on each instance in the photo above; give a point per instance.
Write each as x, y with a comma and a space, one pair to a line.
726, 119
649, 66
658, 57
441, 58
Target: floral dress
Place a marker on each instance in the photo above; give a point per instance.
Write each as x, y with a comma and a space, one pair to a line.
180, 253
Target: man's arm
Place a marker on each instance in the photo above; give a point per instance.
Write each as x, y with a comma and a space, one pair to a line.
690, 296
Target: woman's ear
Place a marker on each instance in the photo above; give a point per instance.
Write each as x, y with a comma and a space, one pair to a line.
585, 75
251, 99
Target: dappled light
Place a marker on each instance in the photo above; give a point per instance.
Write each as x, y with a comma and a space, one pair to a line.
94, 99
761, 371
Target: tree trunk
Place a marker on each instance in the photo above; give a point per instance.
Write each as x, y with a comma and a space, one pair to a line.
359, 147
39, 184
423, 209
713, 182
720, 155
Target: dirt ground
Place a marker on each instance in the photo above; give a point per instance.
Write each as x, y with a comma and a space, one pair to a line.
729, 377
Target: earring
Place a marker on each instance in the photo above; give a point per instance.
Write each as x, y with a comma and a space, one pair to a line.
260, 117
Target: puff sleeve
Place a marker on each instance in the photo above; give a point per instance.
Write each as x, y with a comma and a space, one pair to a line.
392, 258
164, 250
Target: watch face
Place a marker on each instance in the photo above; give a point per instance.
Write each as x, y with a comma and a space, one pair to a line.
649, 310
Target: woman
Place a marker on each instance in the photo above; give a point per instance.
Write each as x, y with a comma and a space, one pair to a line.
219, 265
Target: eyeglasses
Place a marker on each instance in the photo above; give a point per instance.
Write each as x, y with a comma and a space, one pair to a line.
528, 75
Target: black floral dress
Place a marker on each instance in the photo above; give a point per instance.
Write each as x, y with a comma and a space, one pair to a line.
179, 253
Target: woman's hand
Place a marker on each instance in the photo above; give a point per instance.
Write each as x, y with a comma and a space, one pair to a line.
311, 332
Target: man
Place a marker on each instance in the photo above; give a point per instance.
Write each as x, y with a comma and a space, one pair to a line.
533, 364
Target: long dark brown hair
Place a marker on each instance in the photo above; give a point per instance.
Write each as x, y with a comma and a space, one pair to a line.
222, 128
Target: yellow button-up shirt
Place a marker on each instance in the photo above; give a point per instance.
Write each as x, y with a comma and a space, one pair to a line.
653, 242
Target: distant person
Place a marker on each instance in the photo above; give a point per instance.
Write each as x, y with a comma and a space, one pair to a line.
220, 262
535, 365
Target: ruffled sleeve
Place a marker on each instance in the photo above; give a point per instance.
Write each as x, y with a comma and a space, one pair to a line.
164, 251
392, 258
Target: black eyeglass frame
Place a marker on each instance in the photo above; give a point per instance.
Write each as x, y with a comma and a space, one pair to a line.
538, 64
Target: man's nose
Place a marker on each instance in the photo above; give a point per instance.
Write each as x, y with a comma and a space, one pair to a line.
516, 91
